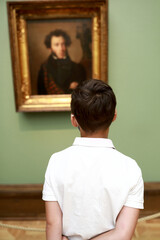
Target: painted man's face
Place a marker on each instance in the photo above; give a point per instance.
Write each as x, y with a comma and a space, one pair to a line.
58, 46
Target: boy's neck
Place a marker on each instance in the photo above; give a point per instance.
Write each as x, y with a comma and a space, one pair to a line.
96, 134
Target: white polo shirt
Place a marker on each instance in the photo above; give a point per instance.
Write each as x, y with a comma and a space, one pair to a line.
92, 181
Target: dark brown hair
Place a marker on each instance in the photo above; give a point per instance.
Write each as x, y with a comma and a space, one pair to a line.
93, 104
57, 33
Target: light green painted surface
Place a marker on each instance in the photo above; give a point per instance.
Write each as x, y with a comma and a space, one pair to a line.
27, 140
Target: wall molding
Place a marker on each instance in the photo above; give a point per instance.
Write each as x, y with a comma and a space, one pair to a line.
151, 198
21, 202
25, 201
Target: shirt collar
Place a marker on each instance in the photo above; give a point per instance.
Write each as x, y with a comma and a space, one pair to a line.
93, 142
55, 57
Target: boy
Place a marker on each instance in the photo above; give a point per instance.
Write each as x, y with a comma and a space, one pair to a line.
91, 190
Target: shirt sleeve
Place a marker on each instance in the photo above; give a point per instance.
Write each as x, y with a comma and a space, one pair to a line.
135, 197
48, 193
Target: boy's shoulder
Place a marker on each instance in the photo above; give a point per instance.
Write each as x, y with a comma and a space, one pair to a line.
130, 164
61, 155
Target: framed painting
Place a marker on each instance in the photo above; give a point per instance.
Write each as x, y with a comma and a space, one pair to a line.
55, 45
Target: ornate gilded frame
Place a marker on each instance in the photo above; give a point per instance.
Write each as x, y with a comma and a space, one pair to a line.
18, 14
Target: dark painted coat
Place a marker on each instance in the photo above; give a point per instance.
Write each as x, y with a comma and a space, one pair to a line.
56, 75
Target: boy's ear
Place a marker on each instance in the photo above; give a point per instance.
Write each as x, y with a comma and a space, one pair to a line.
115, 116
74, 121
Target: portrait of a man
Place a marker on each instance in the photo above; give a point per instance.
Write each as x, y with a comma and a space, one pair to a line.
60, 55
59, 74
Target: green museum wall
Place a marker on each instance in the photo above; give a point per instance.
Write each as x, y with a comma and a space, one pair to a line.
27, 140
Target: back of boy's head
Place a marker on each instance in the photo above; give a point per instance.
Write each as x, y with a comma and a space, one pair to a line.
93, 104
